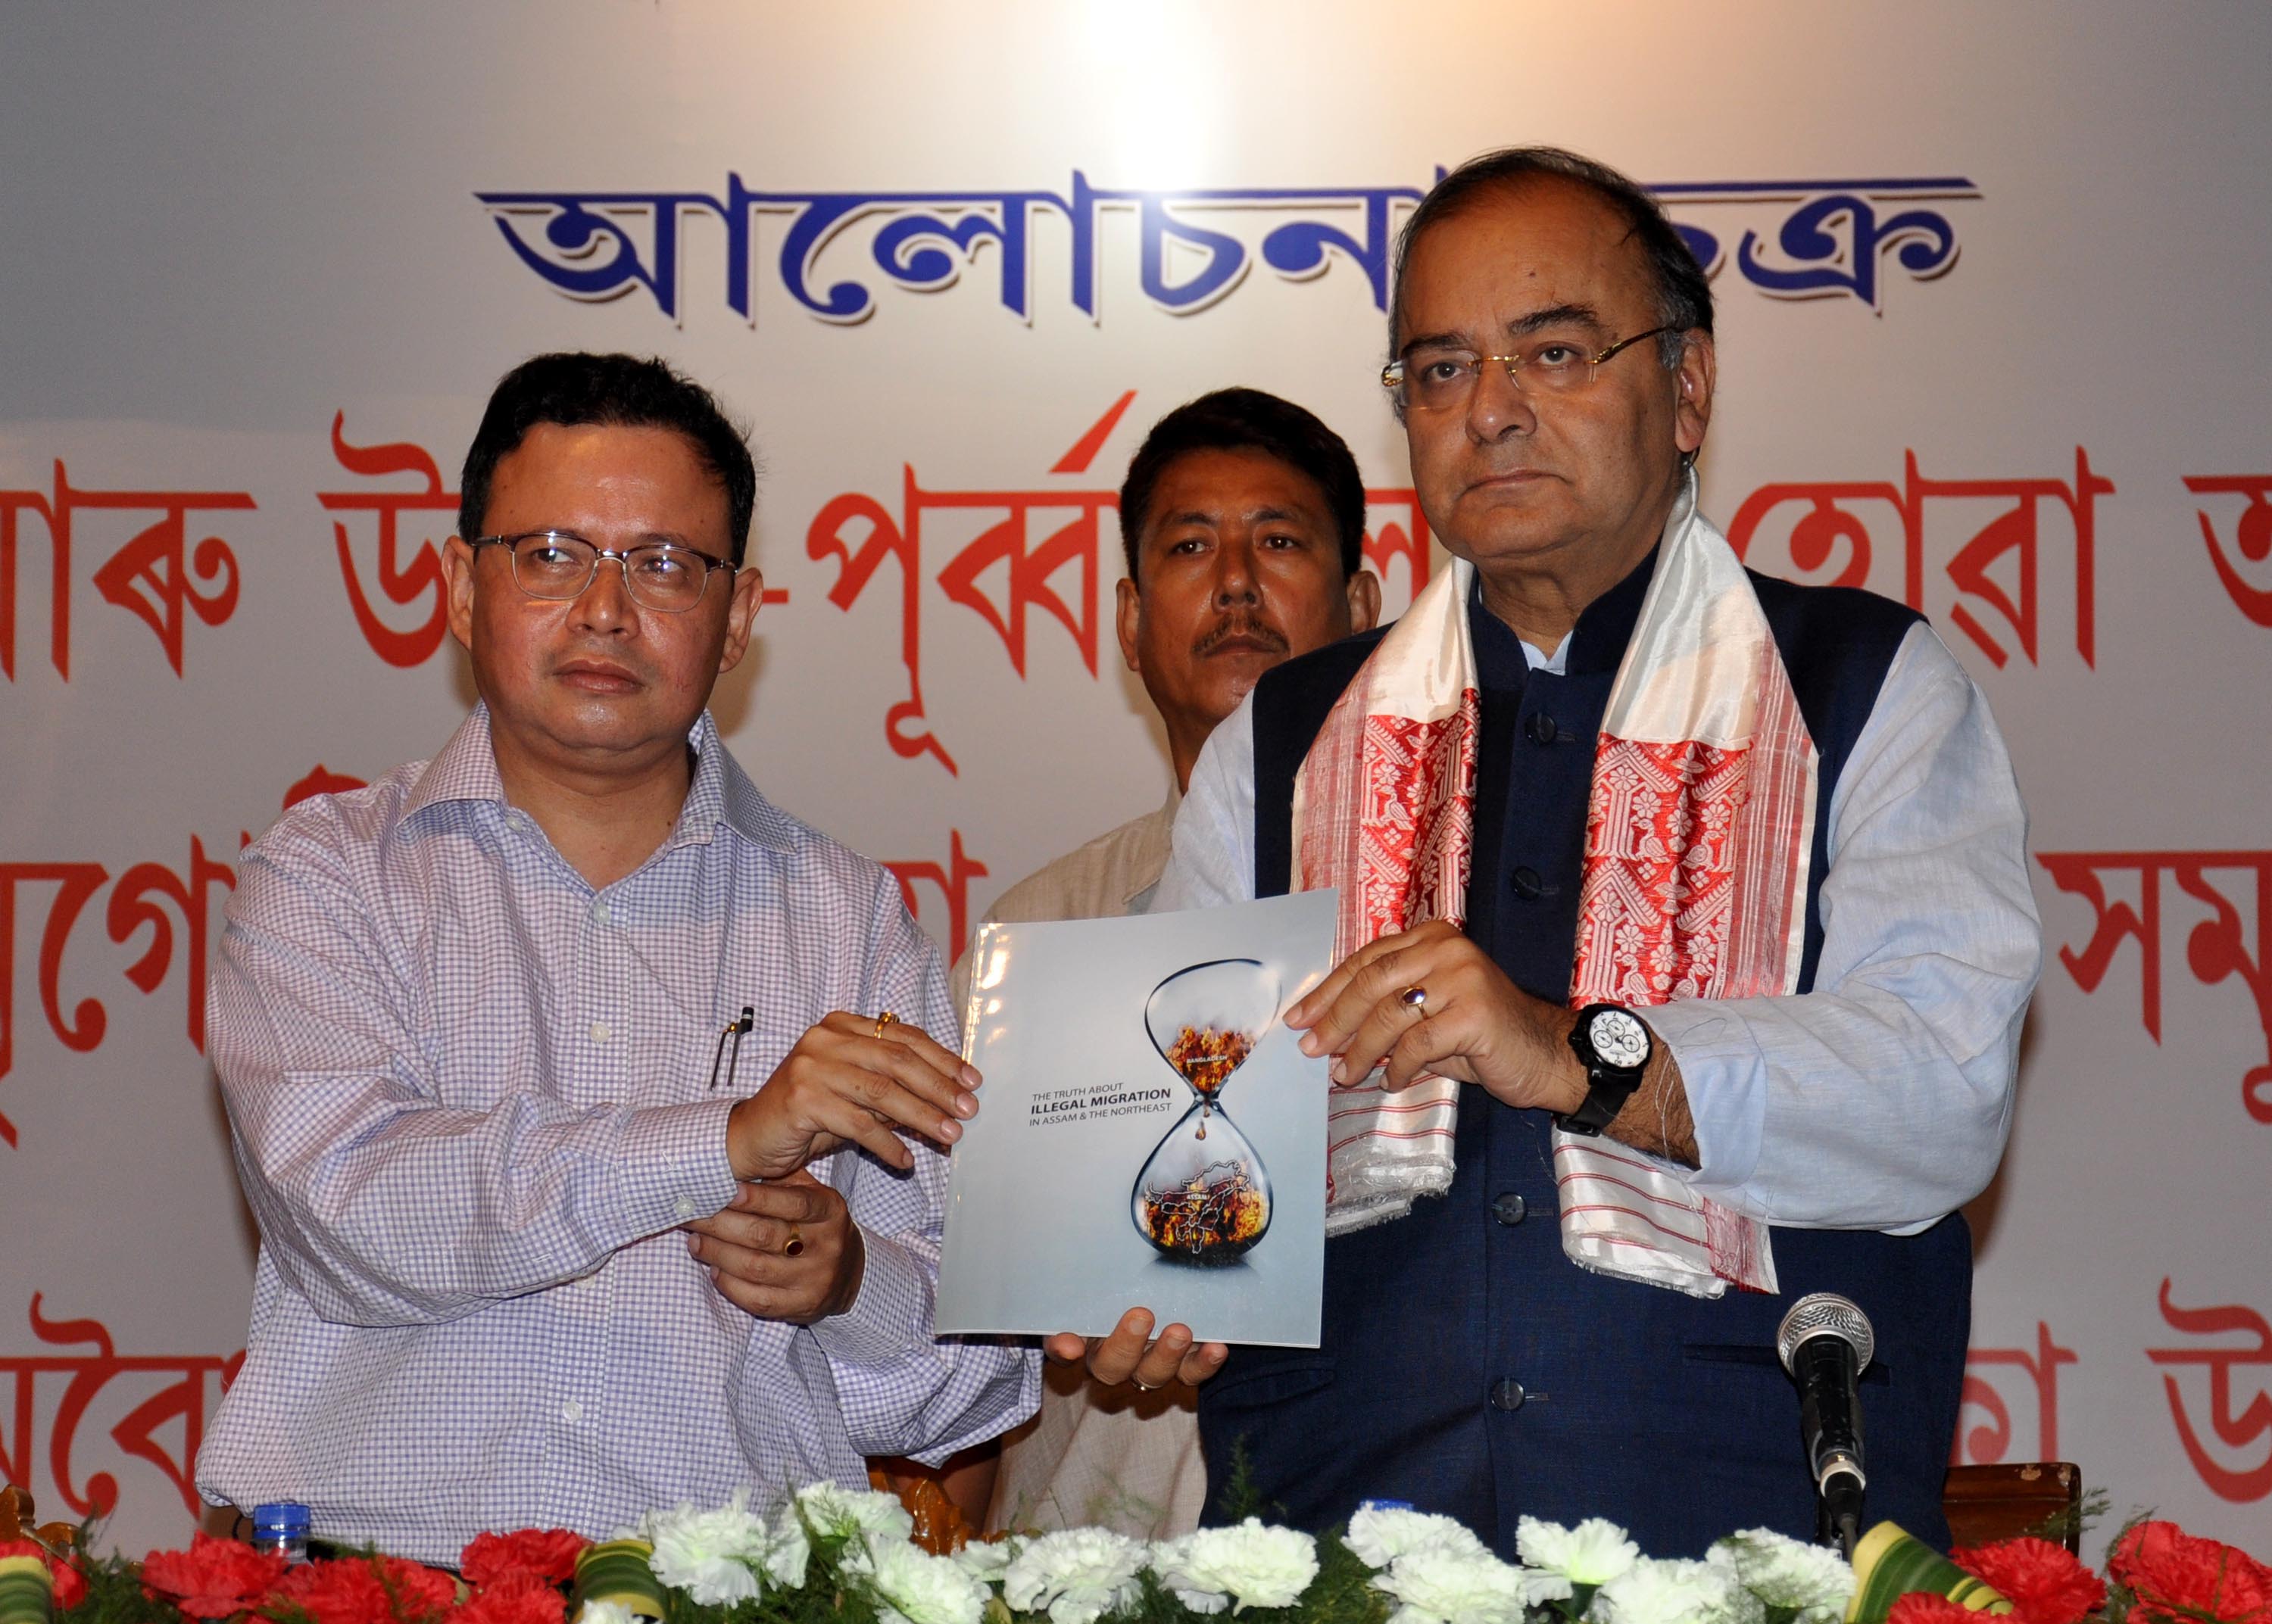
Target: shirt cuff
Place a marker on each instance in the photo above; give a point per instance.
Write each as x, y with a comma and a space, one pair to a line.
674, 1168
888, 1319
1724, 1077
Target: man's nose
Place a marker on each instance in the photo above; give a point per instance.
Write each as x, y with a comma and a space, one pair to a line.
605, 603
1499, 405
1234, 573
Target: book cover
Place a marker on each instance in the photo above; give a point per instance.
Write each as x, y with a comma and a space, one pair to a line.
1149, 1134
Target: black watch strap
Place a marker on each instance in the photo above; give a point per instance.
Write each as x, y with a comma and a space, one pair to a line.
1609, 1086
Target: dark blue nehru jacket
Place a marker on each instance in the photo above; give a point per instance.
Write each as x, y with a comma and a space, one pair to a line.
1468, 1367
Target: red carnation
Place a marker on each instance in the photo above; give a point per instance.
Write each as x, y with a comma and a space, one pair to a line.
62, 1569
2043, 1582
1925, 1607
212, 1579
2177, 1576
520, 1596
71, 1582
548, 1552
373, 1589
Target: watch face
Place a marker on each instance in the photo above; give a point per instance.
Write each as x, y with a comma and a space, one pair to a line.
1619, 1039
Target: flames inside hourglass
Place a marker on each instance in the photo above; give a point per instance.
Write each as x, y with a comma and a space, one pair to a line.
1207, 1058
1203, 1197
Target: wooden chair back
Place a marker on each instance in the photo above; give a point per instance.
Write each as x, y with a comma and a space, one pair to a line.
1988, 1503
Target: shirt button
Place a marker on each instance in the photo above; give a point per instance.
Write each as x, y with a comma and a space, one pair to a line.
1508, 1394
520, 823
1510, 1209
1540, 728
600, 1032
686, 1207
599, 911
1527, 884
573, 1412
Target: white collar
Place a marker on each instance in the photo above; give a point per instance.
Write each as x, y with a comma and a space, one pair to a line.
1552, 663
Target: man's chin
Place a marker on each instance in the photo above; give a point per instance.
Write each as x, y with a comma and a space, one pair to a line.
1233, 677
1481, 531
589, 724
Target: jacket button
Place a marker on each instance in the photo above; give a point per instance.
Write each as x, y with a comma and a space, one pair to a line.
1527, 884
1508, 1394
1510, 1209
1540, 727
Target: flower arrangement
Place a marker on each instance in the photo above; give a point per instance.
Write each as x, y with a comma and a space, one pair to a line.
2156, 1574
848, 1557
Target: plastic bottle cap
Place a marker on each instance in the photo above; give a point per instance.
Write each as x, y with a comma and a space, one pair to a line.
282, 1515
1385, 1505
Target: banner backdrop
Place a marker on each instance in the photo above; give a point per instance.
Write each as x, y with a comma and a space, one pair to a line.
1992, 299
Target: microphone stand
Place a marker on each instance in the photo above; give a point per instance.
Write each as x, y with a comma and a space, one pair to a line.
1838, 1513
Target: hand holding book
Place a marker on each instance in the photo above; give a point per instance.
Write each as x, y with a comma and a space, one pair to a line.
1131, 1354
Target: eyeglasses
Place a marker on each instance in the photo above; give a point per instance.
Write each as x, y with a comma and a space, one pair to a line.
1439, 379
660, 576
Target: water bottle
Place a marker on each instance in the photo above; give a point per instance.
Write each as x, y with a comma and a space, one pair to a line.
282, 1528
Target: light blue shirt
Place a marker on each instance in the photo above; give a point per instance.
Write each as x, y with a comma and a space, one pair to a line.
468, 1097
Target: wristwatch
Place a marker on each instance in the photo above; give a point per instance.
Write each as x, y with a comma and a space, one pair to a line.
1614, 1046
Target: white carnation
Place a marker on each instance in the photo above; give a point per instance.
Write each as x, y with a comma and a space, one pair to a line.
714, 1556
914, 1586
1783, 1572
1077, 1575
1172, 1561
843, 1512
1443, 1585
787, 1552
605, 1613
1249, 1566
1594, 1553
1203, 1602
1539, 1586
986, 1560
1380, 1534
1676, 1592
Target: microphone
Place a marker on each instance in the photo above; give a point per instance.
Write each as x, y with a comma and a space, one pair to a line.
1825, 1343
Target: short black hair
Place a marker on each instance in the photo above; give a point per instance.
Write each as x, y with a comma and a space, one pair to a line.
1683, 293
1248, 419
573, 387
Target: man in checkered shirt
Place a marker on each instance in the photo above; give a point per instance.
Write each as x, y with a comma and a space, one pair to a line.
524, 1260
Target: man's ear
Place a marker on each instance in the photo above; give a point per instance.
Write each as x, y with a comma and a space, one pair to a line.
748, 595
1127, 614
1363, 601
1692, 381
457, 584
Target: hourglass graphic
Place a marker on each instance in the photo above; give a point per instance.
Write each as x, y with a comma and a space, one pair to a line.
1202, 1196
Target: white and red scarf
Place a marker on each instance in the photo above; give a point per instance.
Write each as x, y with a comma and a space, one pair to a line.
1698, 841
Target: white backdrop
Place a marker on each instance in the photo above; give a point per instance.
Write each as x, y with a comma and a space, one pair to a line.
1993, 305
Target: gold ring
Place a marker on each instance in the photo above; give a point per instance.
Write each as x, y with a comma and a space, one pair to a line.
794, 1247
1413, 998
885, 1019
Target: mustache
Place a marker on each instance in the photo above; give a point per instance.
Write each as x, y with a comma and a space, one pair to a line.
1240, 626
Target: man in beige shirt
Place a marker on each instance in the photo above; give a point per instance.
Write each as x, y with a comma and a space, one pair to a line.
1242, 518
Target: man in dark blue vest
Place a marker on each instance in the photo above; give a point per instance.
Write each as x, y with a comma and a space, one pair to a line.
1553, 361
